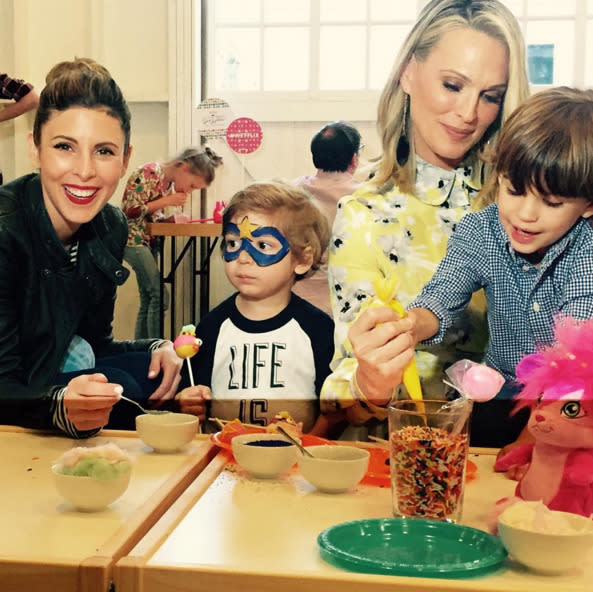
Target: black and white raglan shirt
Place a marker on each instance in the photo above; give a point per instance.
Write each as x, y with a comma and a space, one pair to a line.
255, 369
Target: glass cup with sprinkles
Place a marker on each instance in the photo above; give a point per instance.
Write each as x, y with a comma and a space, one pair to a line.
428, 447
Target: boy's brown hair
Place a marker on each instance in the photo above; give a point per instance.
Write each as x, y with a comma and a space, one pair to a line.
546, 146
294, 213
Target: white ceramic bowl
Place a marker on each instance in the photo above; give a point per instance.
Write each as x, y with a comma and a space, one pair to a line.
264, 461
89, 494
549, 553
166, 432
334, 468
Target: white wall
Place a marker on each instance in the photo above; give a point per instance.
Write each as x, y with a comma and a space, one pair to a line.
7, 128
130, 37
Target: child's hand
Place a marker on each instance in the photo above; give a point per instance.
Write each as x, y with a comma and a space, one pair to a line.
176, 199
89, 399
194, 400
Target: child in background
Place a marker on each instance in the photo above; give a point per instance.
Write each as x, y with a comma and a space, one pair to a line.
531, 251
265, 349
149, 189
61, 249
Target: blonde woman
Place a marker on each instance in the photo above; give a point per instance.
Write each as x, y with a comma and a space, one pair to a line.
459, 74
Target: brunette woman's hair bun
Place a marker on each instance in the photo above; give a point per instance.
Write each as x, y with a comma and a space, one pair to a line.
82, 82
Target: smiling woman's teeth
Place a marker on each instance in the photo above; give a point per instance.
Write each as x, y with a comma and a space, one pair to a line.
80, 193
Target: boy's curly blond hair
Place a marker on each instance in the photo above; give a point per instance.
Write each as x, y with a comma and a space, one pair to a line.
294, 214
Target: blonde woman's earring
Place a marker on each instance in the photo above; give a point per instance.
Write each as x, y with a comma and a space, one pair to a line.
402, 151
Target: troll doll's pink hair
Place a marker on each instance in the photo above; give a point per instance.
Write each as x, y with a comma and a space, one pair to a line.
567, 364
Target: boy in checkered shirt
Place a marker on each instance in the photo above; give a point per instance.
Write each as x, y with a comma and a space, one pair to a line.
531, 251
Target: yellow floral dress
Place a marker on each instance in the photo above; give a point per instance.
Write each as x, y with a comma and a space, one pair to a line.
382, 232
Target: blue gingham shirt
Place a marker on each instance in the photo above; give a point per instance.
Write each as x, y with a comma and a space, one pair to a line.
522, 298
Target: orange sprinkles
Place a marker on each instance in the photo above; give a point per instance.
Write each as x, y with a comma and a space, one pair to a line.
428, 466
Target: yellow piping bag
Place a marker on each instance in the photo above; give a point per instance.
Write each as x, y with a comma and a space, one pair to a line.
385, 289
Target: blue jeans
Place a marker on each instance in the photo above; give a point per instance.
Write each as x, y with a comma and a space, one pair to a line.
143, 261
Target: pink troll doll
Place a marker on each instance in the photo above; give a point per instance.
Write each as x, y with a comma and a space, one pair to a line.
558, 388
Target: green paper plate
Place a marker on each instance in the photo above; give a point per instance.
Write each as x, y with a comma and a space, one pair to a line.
411, 547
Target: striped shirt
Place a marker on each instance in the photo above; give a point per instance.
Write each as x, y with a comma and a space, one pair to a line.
73, 253
522, 298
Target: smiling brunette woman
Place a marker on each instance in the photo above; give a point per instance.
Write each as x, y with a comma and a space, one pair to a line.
61, 248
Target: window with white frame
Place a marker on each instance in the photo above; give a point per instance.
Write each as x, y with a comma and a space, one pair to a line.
287, 59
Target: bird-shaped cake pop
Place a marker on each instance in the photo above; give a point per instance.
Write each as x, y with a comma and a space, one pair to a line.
187, 345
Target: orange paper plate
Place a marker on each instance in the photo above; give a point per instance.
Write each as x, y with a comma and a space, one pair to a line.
378, 471
224, 440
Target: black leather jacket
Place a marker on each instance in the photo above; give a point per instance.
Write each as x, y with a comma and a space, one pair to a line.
44, 300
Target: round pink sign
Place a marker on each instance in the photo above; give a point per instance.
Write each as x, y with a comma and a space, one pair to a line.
244, 135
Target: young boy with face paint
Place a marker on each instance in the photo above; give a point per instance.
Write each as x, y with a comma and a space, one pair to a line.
265, 349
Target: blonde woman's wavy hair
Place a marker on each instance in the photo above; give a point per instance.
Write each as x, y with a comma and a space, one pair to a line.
437, 18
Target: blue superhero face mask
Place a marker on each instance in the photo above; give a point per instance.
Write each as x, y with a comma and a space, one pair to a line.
265, 244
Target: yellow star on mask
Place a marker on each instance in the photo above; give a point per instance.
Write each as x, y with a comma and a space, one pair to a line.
246, 228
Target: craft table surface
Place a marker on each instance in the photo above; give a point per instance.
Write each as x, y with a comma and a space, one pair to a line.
45, 541
210, 229
233, 533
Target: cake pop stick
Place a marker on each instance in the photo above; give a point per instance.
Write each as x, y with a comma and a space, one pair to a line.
187, 345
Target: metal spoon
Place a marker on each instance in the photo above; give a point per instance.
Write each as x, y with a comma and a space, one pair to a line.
149, 411
298, 444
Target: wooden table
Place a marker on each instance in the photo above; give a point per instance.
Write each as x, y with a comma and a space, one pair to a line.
46, 545
227, 532
208, 233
